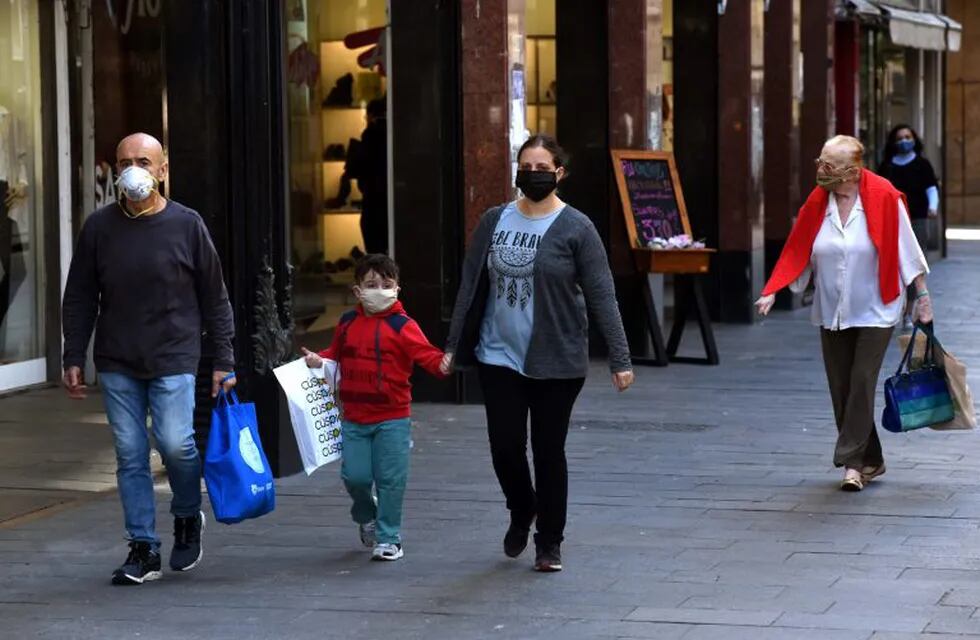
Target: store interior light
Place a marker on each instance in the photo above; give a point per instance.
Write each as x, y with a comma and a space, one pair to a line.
963, 233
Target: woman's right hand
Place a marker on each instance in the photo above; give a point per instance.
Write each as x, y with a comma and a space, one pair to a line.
764, 304
313, 361
446, 366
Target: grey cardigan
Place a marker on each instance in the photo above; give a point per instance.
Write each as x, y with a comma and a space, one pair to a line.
571, 277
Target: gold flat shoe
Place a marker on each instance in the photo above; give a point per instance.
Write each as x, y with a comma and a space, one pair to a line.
870, 473
852, 481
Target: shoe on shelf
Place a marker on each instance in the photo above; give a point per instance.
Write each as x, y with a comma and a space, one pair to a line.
369, 533
853, 481
141, 565
188, 544
548, 558
387, 551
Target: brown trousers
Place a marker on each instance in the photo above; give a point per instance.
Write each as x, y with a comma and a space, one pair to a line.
852, 358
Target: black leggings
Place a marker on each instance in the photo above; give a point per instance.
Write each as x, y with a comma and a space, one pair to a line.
509, 397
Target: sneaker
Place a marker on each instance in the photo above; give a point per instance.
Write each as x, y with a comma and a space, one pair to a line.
142, 565
369, 532
188, 549
548, 559
386, 551
515, 540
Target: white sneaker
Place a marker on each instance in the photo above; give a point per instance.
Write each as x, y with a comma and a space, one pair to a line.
386, 551
368, 532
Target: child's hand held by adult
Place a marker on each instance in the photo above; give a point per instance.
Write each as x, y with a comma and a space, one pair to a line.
313, 361
446, 366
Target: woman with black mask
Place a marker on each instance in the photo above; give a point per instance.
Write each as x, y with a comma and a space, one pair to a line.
533, 269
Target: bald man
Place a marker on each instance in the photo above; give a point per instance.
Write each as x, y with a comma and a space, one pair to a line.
145, 275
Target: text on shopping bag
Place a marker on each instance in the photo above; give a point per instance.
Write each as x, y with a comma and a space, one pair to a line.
313, 411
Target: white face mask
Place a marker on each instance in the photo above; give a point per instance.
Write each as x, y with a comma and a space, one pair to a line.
136, 183
377, 301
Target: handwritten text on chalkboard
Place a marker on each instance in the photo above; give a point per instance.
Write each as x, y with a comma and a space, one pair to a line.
652, 199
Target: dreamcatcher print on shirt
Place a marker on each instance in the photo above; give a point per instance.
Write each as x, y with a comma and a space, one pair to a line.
513, 271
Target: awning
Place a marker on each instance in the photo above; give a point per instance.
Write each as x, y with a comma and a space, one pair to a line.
954, 31
860, 9
916, 29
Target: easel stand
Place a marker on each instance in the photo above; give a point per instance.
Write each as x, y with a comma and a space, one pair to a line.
688, 267
653, 207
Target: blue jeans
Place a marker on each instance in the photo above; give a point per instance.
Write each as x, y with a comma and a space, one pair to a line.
377, 455
170, 403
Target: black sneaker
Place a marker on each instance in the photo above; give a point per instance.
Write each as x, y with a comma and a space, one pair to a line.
515, 540
142, 565
188, 549
548, 559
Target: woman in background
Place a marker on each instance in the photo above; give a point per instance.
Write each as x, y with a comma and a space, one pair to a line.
913, 175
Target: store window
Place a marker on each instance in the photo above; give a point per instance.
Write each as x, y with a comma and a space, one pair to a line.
541, 62
128, 82
21, 205
667, 102
338, 150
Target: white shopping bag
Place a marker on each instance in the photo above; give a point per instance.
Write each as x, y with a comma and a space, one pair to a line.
313, 411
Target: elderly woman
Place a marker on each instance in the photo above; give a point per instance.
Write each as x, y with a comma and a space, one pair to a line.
854, 237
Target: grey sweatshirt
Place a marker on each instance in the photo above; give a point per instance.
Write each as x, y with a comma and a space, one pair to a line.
571, 282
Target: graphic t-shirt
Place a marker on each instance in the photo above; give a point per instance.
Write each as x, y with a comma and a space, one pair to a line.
509, 317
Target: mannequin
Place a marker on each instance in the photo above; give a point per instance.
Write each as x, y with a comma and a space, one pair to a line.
13, 184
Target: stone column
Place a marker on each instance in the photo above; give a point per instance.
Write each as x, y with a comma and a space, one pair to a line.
818, 121
635, 91
740, 207
486, 156
782, 128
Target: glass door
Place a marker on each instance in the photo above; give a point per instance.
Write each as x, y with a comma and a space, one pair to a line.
21, 261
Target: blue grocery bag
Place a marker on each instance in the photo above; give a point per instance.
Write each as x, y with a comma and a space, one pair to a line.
236, 470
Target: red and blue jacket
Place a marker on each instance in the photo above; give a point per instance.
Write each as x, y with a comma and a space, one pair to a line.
377, 355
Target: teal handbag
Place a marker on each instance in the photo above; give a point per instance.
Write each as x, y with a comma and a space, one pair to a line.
920, 398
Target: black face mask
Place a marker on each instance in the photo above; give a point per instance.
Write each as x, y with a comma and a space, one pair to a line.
536, 185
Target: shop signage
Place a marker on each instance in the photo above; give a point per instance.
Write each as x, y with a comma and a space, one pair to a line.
141, 8
650, 199
105, 185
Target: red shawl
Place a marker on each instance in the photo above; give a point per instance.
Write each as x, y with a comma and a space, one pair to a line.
880, 200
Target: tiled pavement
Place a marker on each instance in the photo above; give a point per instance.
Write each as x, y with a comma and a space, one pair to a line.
703, 506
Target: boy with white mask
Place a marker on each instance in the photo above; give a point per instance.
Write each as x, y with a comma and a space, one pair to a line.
377, 346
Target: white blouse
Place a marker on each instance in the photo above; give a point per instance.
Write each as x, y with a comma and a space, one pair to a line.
844, 263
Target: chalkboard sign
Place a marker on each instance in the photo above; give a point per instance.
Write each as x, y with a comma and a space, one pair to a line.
653, 203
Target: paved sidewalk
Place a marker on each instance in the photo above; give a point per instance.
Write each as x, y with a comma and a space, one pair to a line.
703, 506
54, 452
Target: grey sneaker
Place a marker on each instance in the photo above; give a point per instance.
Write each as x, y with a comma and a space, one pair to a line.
369, 533
386, 551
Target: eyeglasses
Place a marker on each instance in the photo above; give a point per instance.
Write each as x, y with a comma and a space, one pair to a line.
820, 162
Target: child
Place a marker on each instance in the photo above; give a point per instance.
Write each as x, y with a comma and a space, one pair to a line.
376, 346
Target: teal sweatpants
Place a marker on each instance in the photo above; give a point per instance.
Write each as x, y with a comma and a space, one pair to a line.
377, 455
